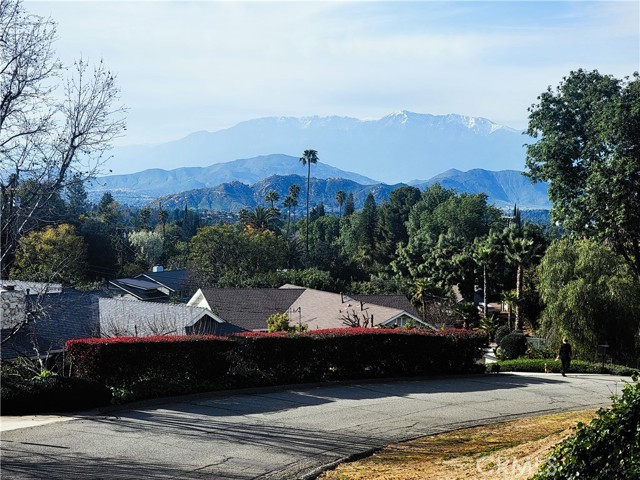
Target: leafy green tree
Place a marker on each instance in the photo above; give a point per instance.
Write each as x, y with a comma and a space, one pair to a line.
308, 157
590, 296
317, 212
148, 246
421, 213
221, 252
56, 254
587, 147
278, 322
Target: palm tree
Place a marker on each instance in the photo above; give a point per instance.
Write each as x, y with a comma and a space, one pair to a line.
289, 202
519, 251
510, 299
259, 219
294, 191
340, 198
483, 253
145, 216
163, 216
307, 158
272, 196
482, 256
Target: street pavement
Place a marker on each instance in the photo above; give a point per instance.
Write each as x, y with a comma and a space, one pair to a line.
290, 433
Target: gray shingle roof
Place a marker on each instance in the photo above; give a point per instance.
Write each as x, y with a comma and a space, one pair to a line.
65, 316
249, 308
120, 317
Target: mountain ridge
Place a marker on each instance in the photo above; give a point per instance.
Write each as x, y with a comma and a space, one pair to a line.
393, 148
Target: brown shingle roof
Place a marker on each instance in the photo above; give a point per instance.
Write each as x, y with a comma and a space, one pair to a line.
249, 308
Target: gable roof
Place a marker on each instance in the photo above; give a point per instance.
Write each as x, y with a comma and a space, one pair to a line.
249, 308
122, 317
67, 315
320, 310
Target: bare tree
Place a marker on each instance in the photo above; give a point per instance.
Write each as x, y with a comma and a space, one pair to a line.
48, 137
355, 320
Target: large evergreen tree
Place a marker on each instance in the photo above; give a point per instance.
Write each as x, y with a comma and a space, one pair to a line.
588, 149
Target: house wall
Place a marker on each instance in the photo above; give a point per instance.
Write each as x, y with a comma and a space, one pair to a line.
13, 307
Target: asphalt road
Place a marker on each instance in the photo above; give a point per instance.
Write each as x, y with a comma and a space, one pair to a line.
286, 434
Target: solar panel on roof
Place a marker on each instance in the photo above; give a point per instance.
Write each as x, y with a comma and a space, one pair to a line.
142, 284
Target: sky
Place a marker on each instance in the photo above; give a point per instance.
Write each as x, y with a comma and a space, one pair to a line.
207, 65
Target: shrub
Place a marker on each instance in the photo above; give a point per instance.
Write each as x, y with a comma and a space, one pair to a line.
51, 393
513, 345
501, 332
577, 366
609, 447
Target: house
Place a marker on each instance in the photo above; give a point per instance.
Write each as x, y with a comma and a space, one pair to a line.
159, 285
249, 308
49, 314
131, 318
321, 310
246, 308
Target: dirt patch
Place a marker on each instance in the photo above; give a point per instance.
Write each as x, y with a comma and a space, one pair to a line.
509, 450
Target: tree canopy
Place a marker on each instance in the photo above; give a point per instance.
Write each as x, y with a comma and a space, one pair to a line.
588, 149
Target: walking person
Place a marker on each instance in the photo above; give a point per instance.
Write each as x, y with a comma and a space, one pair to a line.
565, 356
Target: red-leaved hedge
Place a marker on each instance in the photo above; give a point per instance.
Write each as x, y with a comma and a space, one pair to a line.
197, 363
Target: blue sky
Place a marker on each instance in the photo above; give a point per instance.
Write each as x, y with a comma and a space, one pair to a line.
207, 65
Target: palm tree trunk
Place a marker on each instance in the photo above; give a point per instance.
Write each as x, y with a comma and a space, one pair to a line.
518, 292
484, 290
308, 182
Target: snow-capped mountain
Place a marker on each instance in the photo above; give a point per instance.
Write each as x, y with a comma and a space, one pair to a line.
394, 148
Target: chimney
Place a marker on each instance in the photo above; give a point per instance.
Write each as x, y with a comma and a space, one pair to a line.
158, 268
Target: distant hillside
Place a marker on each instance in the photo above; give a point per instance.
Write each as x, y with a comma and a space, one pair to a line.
394, 148
504, 189
231, 197
138, 188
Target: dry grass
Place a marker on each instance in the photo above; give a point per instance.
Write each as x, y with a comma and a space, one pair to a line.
509, 450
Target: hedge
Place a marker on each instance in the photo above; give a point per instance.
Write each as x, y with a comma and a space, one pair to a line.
154, 366
54, 393
577, 366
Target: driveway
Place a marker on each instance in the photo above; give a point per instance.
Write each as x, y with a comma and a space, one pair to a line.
280, 434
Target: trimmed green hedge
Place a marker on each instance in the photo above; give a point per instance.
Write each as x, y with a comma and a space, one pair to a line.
608, 448
159, 366
51, 394
577, 366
